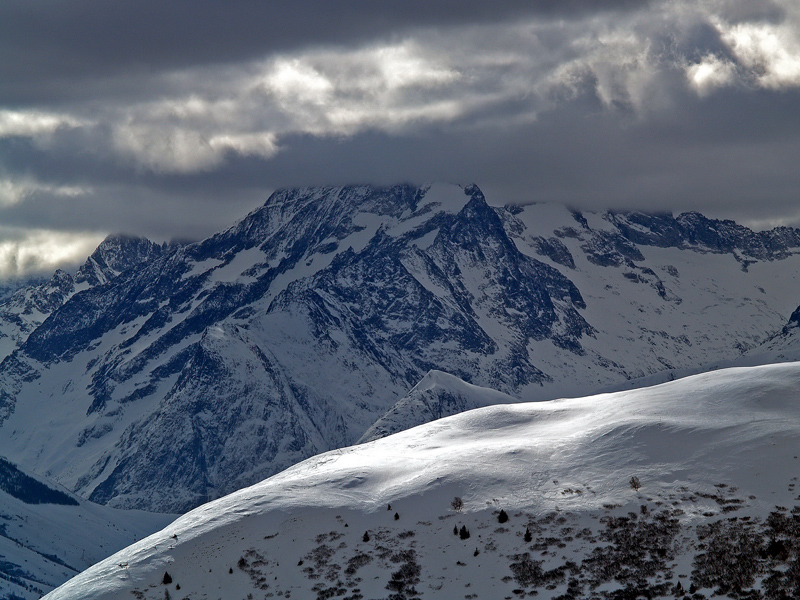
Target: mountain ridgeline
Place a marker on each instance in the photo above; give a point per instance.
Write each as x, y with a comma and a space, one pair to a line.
162, 376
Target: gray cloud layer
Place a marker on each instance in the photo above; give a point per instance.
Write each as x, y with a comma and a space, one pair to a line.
49, 47
172, 120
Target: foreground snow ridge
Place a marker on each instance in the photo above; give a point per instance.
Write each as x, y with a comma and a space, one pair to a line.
711, 455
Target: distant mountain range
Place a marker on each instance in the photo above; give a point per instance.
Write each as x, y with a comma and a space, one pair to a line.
9, 286
163, 376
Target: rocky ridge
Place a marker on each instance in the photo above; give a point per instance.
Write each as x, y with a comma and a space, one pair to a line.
27, 308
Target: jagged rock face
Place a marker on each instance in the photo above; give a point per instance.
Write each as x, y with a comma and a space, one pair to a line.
212, 365
22, 312
695, 231
10, 286
332, 303
230, 416
116, 254
400, 302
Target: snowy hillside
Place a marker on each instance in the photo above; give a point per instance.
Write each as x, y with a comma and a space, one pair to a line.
437, 395
48, 535
184, 373
662, 293
687, 487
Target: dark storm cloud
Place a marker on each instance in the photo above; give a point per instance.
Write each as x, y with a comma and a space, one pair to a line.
48, 49
703, 155
161, 215
173, 119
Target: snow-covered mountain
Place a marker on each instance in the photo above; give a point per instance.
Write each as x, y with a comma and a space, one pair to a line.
690, 487
210, 366
24, 310
48, 535
115, 254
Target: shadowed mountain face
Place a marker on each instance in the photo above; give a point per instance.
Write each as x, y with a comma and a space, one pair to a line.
168, 376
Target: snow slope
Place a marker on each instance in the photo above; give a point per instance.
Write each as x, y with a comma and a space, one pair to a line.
48, 535
781, 346
662, 293
437, 395
713, 455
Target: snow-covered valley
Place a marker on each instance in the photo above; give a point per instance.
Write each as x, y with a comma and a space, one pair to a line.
48, 535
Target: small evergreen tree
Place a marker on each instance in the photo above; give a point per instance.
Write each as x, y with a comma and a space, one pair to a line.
476, 552
455, 529
396, 516
167, 579
528, 537
503, 516
463, 533
366, 537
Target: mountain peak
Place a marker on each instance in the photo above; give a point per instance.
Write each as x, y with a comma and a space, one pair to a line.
115, 254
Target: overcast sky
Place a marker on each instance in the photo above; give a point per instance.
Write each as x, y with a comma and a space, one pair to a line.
174, 119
